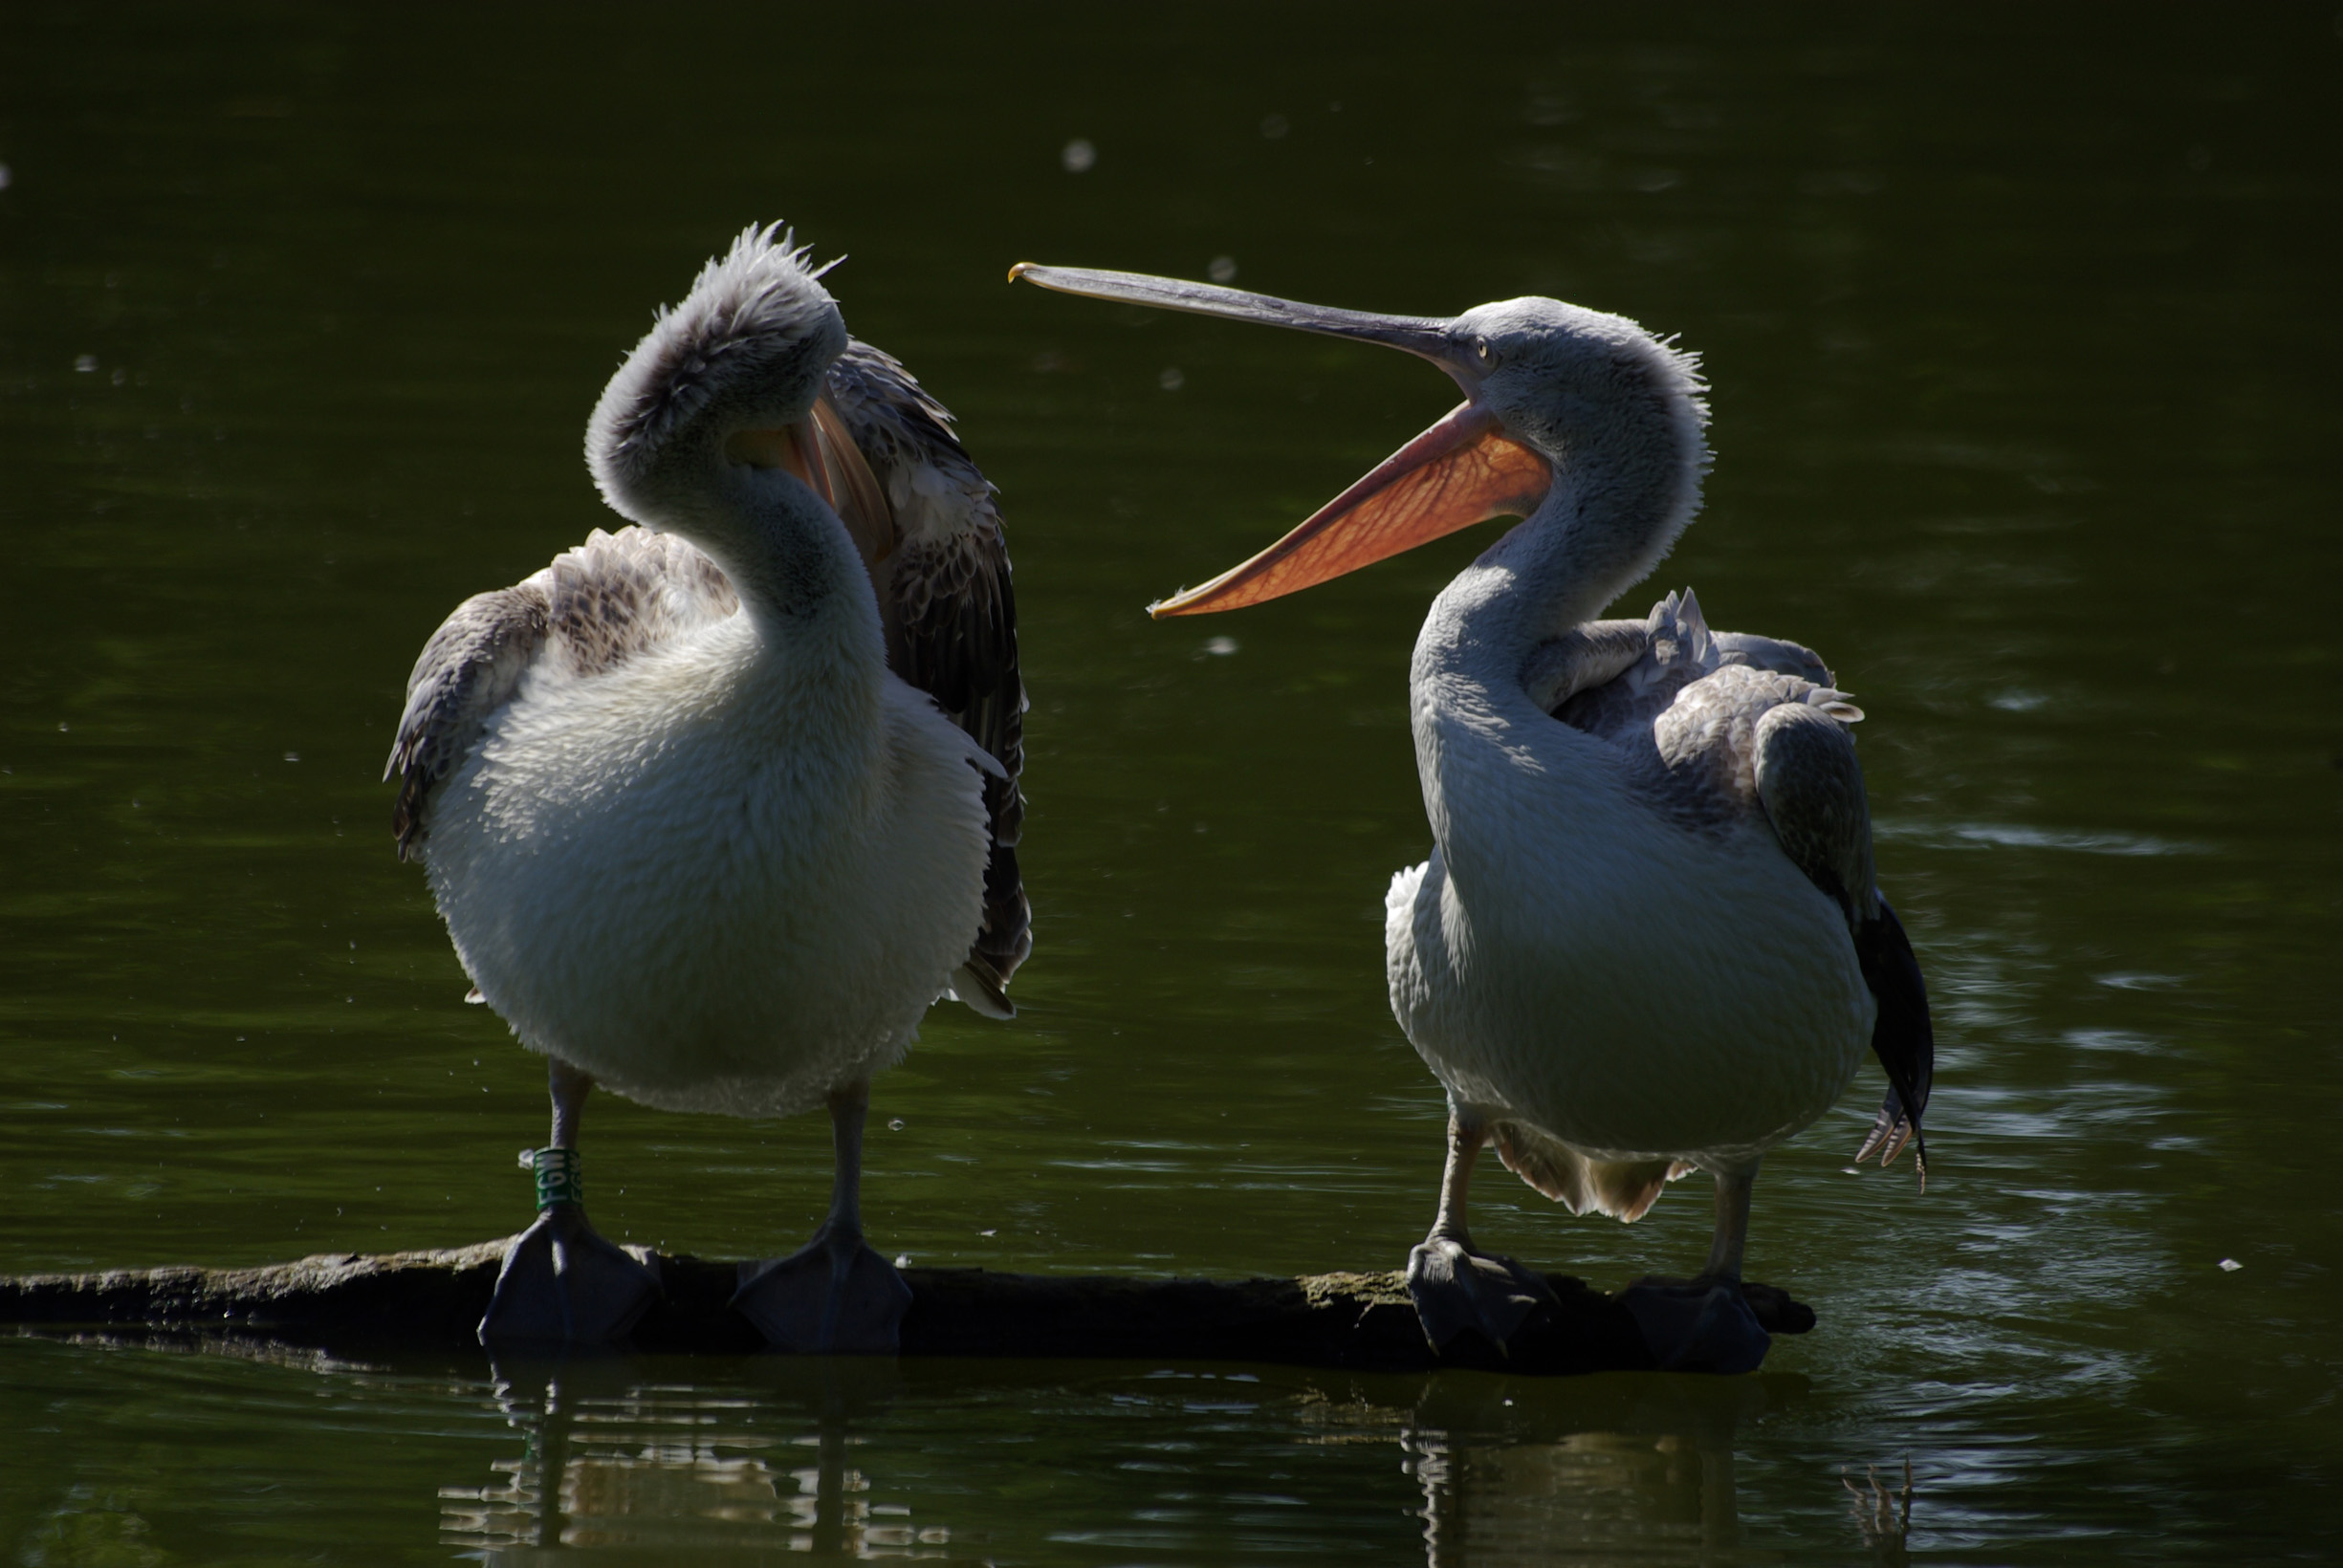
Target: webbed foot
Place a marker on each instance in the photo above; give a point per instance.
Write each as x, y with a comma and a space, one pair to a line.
562, 1283
834, 1297
1697, 1326
1456, 1288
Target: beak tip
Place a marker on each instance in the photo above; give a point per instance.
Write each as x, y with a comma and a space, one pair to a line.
1020, 270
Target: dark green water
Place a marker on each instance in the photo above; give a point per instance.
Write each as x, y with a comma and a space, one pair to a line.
2022, 334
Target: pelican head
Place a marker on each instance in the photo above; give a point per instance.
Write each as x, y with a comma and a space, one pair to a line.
726, 380
1554, 394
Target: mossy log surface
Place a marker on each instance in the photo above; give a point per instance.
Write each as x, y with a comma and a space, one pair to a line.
352, 1304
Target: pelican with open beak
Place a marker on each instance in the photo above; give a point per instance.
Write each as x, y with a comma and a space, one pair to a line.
1648, 939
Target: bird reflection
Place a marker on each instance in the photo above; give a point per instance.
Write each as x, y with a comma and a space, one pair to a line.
770, 1455
1607, 1469
613, 1457
1882, 1512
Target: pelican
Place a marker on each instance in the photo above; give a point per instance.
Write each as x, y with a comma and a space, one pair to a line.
1648, 939
715, 806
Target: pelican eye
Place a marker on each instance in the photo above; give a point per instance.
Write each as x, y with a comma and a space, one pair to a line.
1487, 355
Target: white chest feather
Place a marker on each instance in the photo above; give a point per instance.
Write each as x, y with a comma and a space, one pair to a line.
1573, 958
711, 881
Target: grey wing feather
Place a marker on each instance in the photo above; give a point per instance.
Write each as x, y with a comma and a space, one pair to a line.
1583, 661
468, 669
949, 608
593, 608
1771, 653
1722, 723
1616, 678
1812, 787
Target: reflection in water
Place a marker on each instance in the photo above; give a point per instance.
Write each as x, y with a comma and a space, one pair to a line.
610, 1462
1612, 1470
1226, 1465
1602, 1492
1881, 1512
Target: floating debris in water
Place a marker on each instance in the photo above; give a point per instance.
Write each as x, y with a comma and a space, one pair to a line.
1079, 156
1220, 647
2230, 1265
1172, 379
894, 1125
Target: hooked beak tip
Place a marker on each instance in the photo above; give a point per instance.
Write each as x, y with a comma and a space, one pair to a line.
1019, 271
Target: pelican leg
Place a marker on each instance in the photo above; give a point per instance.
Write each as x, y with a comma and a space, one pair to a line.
562, 1282
1454, 1287
834, 1296
1705, 1323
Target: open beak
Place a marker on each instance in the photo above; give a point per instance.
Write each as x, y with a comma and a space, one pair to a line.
1465, 470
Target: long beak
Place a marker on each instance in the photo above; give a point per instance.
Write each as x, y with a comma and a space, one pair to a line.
1465, 470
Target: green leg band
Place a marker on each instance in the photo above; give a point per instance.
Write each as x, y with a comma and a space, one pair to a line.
559, 1177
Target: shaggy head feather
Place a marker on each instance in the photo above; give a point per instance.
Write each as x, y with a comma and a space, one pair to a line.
748, 347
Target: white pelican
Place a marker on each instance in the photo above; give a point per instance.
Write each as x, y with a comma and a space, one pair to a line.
714, 807
1648, 939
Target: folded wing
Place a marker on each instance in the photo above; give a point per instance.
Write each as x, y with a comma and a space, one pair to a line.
949, 610
1734, 721
609, 599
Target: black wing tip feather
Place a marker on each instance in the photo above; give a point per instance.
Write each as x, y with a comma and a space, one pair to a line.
1903, 1038
405, 822
406, 809
1005, 940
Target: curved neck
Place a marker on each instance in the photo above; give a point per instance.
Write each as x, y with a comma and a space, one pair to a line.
1603, 526
790, 558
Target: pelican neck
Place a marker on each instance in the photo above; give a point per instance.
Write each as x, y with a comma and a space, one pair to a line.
1555, 570
801, 581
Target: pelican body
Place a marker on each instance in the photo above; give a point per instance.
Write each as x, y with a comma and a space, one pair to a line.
787, 836
694, 833
1615, 953
1648, 939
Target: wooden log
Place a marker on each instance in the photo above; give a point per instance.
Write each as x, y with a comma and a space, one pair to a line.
350, 1304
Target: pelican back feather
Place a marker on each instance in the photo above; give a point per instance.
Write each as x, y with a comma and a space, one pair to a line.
609, 599
948, 607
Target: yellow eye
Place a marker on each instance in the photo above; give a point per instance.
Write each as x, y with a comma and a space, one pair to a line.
1487, 355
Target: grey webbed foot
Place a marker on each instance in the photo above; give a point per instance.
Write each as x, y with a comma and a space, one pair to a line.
1697, 1326
562, 1283
1455, 1289
834, 1297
